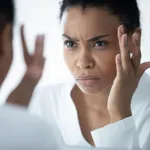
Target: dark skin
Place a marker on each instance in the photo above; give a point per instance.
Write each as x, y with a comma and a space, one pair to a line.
34, 63
34, 70
94, 45
6, 52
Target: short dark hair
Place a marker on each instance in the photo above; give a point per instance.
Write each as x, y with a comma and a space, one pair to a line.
126, 10
6, 12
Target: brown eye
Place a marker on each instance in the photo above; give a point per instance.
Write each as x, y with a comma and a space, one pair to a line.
69, 44
100, 43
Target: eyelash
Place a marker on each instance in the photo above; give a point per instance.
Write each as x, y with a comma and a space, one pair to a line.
66, 42
102, 44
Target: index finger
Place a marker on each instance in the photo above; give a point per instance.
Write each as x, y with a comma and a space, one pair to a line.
24, 45
39, 48
124, 49
120, 32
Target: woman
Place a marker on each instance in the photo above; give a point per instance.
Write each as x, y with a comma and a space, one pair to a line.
18, 128
107, 104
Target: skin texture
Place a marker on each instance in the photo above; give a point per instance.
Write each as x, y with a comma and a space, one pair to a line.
6, 52
34, 70
108, 98
86, 58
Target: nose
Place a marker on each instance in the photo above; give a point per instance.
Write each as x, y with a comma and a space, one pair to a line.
85, 61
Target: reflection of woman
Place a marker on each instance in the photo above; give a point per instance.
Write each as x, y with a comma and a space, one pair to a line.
101, 107
19, 129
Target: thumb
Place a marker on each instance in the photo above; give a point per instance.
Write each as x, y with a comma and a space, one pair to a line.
143, 67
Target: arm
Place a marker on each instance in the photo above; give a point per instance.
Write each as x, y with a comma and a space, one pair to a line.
122, 130
35, 64
23, 93
121, 134
132, 132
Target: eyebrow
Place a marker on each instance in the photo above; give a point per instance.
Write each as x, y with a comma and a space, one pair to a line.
97, 37
89, 40
68, 37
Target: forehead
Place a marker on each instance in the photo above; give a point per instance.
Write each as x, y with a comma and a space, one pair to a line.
91, 21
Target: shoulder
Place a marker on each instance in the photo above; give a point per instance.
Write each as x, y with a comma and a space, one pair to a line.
54, 90
47, 98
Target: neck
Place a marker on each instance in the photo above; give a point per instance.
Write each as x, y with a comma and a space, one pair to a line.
92, 101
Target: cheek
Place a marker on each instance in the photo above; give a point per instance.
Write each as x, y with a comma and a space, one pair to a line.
70, 61
107, 66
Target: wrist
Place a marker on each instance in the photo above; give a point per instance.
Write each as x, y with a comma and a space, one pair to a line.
114, 117
23, 93
28, 83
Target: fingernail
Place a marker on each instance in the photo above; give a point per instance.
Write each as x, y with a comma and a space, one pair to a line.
40, 38
136, 36
122, 29
119, 57
126, 39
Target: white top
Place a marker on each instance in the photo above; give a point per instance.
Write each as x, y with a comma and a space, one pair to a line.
54, 104
19, 130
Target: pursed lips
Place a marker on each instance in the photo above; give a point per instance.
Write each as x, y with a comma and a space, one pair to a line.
87, 77
87, 80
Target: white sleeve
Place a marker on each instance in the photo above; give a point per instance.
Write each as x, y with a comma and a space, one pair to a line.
132, 132
34, 105
21, 130
144, 130
121, 134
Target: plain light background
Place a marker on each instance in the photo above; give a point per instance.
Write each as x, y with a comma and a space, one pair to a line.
41, 16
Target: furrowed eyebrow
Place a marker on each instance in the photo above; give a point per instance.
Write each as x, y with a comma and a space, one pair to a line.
70, 38
89, 40
97, 37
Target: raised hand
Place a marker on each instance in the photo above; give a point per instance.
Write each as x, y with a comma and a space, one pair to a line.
129, 72
35, 62
34, 70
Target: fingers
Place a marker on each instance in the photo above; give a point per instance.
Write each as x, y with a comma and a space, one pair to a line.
39, 49
6, 41
120, 33
37, 58
136, 51
24, 45
119, 68
124, 49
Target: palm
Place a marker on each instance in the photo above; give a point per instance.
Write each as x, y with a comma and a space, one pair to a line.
129, 72
35, 62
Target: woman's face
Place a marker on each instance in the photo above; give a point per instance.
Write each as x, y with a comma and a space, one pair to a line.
90, 46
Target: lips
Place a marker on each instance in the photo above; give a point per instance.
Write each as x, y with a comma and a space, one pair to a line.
89, 77
88, 80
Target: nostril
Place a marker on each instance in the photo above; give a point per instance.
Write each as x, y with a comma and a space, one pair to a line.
85, 64
88, 67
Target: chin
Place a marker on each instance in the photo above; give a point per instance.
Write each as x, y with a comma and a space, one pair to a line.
91, 90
